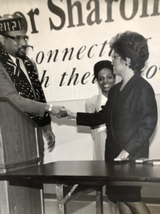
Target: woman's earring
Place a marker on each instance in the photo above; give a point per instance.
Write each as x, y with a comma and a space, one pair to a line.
128, 62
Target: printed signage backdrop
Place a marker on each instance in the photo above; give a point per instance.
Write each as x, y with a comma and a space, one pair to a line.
70, 36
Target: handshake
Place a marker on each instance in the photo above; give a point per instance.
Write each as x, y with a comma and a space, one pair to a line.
62, 113
58, 111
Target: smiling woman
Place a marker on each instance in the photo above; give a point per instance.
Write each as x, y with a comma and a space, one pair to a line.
103, 72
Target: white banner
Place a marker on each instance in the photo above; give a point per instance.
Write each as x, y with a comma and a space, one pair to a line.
70, 36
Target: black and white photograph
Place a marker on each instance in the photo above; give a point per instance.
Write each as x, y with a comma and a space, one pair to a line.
79, 106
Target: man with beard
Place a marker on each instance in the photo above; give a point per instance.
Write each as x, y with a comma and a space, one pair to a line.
19, 77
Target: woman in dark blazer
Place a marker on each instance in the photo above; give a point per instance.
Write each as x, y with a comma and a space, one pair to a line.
130, 114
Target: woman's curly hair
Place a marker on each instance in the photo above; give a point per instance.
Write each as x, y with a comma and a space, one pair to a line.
131, 45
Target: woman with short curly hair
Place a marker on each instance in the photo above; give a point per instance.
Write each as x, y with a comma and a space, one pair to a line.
133, 46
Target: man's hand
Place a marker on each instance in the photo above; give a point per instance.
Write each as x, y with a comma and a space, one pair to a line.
62, 113
66, 113
50, 137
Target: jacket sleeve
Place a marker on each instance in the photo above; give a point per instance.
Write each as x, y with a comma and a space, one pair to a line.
147, 121
8, 90
91, 119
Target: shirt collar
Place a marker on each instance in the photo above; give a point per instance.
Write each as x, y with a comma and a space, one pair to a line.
14, 58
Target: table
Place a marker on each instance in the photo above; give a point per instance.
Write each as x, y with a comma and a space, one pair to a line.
96, 173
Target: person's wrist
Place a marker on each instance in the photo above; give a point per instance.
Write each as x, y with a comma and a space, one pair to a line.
73, 115
48, 108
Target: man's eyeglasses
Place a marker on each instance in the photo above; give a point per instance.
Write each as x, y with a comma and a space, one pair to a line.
17, 39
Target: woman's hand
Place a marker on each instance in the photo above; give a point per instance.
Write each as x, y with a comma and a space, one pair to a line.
71, 115
122, 155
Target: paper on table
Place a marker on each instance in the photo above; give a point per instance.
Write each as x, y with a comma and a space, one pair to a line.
121, 159
141, 160
154, 161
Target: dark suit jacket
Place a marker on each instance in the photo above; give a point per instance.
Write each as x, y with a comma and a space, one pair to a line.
130, 117
7, 89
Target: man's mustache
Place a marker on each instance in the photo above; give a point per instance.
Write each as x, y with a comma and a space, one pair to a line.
27, 46
21, 52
